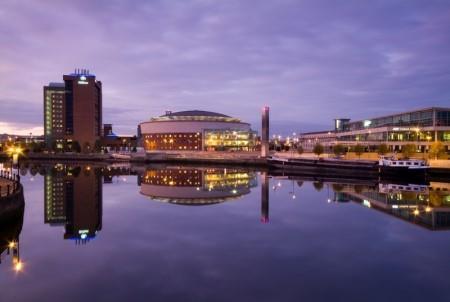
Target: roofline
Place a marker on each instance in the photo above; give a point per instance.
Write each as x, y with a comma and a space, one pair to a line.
400, 113
318, 132
178, 121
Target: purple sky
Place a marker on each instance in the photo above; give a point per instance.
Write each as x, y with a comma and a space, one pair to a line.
310, 61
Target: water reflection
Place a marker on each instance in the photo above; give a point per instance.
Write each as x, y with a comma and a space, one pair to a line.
196, 186
73, 199
11, 222
424, 205
73, 193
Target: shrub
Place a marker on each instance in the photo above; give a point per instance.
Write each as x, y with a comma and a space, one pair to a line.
338, 149
383, 149
408, 150
437, 149
318, 185
358, 149
318, 149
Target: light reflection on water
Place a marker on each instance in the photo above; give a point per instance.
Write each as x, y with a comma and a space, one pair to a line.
203, 233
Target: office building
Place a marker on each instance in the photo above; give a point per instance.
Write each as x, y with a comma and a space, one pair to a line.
114, 142
73, 111
196, 131
419, 127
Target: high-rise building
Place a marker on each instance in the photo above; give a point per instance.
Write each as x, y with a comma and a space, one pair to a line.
73, 111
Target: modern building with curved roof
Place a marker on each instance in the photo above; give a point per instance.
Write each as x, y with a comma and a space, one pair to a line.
196, 130
196, 186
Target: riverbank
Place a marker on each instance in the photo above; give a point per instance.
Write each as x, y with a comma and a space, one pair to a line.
357, 167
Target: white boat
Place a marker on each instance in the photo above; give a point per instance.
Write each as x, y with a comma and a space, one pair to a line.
120, 156
403, 163
395, 188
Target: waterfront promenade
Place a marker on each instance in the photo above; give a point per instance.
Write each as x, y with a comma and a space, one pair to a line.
4, 183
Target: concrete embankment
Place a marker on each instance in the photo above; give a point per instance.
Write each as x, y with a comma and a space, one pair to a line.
208, 159
344, 167
179, 158
350, 168
68, 157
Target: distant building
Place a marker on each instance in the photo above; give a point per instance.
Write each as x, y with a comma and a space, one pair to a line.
419, 127
196, 131
114, 142
73, 111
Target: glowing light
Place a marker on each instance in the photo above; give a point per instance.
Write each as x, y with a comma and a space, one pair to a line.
416, 212
18, 267
12, 244
14, 150
428, 209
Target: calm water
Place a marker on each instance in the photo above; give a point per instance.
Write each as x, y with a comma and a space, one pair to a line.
196, 234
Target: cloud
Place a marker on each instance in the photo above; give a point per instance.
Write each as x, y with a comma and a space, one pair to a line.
20, 129
310, 60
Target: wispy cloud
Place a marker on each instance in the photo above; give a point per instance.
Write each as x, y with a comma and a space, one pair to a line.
309, 60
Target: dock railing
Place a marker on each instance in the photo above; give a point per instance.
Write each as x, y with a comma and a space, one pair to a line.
9, 184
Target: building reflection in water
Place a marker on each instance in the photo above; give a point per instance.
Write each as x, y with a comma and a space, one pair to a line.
264, 197
73, 198
196, 186
424, 205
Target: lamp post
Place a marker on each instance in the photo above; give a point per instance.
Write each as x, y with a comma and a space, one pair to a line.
15, 152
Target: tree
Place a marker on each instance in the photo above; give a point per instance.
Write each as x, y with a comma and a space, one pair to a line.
383, 149
76, 147
87, 147
36, 147
54, 146
437, 149
408, 150
318, 149
98, 146
338, 149
299, 150
318, 185
337, 187
358, 149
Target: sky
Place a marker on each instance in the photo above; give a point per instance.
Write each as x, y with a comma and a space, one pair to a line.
310, 61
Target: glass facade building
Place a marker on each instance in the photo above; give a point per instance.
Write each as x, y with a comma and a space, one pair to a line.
420, 127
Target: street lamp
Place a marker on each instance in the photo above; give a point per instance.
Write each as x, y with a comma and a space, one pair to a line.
15, 152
